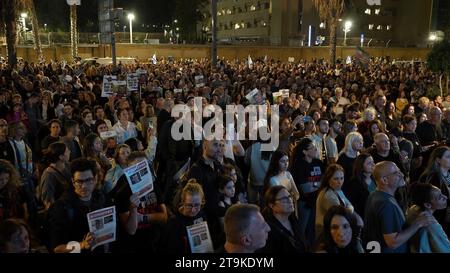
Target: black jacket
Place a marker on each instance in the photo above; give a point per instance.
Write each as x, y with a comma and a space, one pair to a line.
280, 239
68, 220
357, 193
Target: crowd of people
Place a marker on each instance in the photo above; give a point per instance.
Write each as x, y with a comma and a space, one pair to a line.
362, 158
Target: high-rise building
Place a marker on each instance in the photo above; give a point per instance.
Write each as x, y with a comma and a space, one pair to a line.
274, 22
296, 22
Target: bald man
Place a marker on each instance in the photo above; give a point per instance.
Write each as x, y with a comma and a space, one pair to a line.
246, 231
384, 219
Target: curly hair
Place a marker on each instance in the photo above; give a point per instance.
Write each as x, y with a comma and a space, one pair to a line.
12, 187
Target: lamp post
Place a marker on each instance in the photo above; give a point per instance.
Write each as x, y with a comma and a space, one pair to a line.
131, 18
347, 27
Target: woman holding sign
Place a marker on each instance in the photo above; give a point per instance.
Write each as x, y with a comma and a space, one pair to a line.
176, 238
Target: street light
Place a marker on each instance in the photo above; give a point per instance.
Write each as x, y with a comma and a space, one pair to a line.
347, 27
432, 37
24, 15
131, 18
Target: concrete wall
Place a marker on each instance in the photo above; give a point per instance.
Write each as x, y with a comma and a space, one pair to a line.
143, 52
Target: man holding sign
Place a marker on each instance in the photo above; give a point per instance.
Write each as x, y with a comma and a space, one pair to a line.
68, 222
139, 206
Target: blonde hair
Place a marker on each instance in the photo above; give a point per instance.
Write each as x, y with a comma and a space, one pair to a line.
369, 110
349, 139
192, 187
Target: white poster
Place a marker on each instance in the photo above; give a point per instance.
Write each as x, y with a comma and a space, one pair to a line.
284, 93
199, 238
132, 82
291, 59
102, 223
108, 134
199, 81
254, 97
107, 85
139, 178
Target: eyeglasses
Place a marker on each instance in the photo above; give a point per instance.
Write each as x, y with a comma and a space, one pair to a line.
80, 182
286, 199
192, 206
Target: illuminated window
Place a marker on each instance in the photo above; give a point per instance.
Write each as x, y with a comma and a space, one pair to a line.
252, 7
219, 13
237, 26
229, 11
368, 11
377, 11
263, 23
379, 27
322, 25
388, 27
242, 24
370, 26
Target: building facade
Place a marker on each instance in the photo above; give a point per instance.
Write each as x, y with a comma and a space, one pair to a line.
404, 23
271, 22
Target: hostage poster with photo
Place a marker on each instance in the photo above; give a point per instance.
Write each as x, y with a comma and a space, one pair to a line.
119, 88
199, 238
107, 89
132, 82
254, 97
140, 178
102, 223
199, 81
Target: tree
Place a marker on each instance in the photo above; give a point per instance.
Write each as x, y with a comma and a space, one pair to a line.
438, 61
330, 11
9, 12
188, 14
29, 5
73, 31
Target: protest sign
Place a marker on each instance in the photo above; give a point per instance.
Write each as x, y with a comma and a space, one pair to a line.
199, 81
119, 88
254, 97
199, 238
102, 223
139, 178
132, 82
107, 85
108, 134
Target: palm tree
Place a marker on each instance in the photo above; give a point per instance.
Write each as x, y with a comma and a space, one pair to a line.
34, 21
73, 30
330, 11
9, 11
